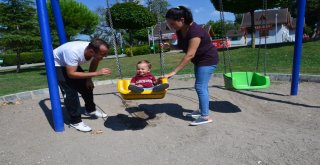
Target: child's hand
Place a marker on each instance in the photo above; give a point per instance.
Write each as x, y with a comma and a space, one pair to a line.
159, 80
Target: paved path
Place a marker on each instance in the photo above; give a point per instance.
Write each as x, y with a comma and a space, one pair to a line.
7, 68
250, 127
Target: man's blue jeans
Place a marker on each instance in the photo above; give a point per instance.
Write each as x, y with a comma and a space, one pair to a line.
203, 74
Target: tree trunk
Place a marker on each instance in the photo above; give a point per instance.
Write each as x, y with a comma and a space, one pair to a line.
253, 30
18, 61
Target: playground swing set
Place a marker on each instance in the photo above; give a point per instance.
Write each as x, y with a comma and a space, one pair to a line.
123, 84
244, 80
255, 78
233, 80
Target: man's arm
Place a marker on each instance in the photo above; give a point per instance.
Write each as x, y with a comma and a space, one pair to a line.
72, 71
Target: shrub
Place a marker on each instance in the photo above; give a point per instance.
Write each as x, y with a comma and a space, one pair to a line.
143, 49
138, 50
111, 51
25, 58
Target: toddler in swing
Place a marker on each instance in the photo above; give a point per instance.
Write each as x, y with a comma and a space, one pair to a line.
145, 80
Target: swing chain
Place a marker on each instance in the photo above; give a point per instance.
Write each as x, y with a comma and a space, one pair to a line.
158, 10
263, 24
225, 40
265, 40
114, 40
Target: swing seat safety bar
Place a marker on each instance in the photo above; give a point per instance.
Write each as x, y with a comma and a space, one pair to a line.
246, 81
146, 94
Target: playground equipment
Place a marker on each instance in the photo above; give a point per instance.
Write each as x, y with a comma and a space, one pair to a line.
123, 84
146, 94
243, 80
49, 62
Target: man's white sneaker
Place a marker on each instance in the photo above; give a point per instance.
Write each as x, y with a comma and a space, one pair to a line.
81, 127
96, 114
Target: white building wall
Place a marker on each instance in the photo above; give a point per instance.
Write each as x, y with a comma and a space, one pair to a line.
283, 34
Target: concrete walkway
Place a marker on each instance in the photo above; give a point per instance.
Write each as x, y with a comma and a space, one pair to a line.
250, 127
8, 68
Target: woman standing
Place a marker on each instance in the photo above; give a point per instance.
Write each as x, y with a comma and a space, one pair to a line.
196, 44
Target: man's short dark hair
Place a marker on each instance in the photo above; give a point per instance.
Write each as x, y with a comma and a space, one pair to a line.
96, 43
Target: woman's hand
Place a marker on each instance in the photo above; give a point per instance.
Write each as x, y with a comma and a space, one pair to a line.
165, 45
169, 75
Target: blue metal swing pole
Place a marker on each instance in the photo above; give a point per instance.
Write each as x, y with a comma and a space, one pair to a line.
298, 47
59, 21
50, 68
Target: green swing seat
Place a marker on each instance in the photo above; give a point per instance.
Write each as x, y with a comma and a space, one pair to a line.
246, 81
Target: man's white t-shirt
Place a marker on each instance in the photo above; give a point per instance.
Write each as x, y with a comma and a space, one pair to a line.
70, 53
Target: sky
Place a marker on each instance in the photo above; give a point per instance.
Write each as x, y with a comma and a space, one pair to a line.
202, 10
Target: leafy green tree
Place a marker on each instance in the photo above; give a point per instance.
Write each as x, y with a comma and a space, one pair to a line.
131, 16
77, 18
238, 19
141, 35
159, 7
134, 1
216, 27
312, 14
102, 30
19, 31
244, 6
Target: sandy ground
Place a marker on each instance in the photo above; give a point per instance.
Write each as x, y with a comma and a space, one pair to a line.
250, 127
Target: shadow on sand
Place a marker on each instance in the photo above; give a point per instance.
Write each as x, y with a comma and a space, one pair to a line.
253, 94
144, 115
48, 112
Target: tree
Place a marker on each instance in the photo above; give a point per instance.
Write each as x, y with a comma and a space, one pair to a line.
102, 30
19, 31
77, 18
131, 16
159, 7
244, 6
238, 19
312, 14
141, 35
216, 27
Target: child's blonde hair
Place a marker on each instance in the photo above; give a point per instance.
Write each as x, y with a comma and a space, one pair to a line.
144, 61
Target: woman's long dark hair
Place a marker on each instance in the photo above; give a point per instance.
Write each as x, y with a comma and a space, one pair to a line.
180, 12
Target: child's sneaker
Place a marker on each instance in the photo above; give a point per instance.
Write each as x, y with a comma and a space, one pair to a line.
194, 114
160, 87
201, 120
135, 89
81, 127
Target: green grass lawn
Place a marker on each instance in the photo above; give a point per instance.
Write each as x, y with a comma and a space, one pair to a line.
279, 60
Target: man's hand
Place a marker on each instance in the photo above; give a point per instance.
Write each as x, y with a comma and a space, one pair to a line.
89, 84
104, 71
